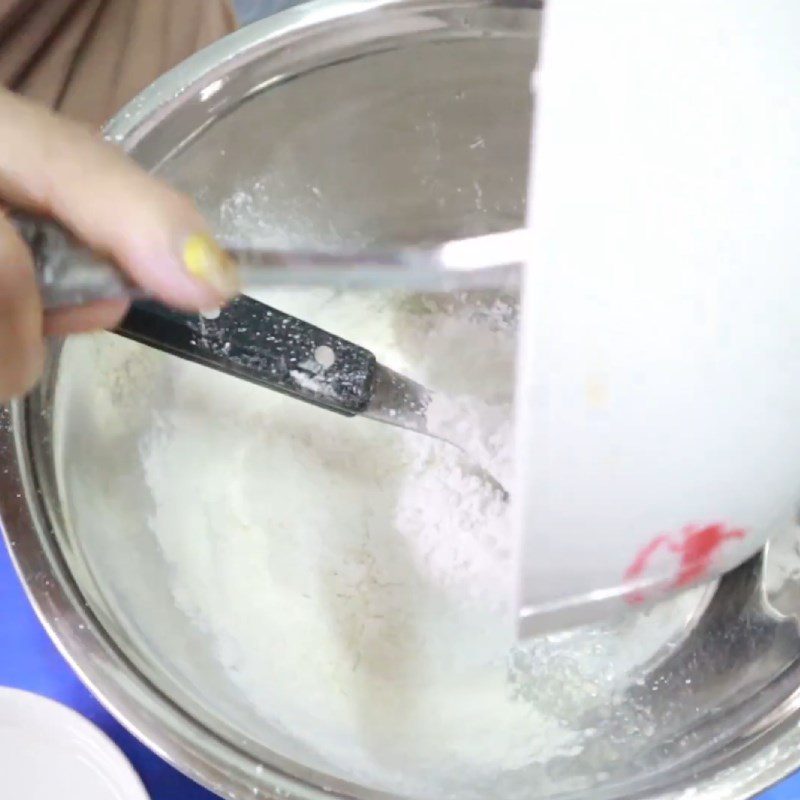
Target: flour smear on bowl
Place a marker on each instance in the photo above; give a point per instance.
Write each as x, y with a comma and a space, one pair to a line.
353, 578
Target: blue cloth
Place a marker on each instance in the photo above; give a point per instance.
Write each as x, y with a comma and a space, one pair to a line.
28, 660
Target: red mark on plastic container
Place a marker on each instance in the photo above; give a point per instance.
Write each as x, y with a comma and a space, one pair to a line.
695, 549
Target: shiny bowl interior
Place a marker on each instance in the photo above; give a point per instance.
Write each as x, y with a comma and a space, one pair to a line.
370, 124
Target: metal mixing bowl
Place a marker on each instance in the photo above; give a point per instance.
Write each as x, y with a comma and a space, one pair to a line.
373, 122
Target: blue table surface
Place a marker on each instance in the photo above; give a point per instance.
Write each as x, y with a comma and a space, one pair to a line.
28, 660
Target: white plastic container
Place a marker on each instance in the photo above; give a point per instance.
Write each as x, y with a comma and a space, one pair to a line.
660, 364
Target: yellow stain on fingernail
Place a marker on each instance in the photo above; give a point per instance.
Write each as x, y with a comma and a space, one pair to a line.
206, 261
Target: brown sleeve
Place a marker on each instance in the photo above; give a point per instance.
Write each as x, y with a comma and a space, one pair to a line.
87, 58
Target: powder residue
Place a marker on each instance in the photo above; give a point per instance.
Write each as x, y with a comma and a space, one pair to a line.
354, 578
376, 557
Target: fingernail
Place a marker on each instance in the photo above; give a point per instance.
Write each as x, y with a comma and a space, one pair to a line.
206, 261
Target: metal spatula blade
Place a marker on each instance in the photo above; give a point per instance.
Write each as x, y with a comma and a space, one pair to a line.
400, 401
70, 274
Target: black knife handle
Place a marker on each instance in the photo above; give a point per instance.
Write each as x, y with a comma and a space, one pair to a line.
260, 344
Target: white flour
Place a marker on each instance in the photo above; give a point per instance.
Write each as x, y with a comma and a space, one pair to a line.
354, 577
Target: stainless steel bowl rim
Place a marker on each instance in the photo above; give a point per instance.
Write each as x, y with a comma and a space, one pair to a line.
767, 754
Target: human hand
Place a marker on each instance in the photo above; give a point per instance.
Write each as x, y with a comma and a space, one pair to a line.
57, 168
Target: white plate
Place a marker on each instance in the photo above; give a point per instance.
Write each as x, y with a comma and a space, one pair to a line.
48, 751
